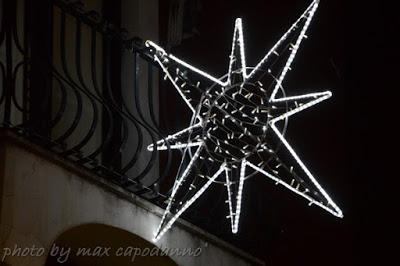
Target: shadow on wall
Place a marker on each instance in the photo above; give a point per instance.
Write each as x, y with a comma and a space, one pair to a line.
103, 245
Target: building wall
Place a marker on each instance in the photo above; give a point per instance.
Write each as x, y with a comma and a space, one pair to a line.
43, 196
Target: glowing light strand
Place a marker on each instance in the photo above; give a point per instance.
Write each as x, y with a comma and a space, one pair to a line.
228, 190
280, 41
304, 96
296, 46
174, 137
321, 97
177, 184
189, 202
277, 180
174, 83
204, 74
337, 212
237, 36
239, 196
183, 63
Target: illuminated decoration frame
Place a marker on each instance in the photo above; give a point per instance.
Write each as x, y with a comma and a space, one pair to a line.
235, 123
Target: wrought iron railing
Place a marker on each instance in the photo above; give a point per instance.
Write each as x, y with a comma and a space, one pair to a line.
61, 87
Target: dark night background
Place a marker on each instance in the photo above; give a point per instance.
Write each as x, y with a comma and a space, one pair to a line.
346, 53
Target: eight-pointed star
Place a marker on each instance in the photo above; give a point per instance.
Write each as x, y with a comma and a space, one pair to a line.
235, 126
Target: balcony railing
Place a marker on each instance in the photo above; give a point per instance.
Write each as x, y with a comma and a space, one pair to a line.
61, 87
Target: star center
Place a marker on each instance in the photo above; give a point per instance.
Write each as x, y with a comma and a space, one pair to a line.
236, 121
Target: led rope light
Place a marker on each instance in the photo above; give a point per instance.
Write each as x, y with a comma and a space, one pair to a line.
280, 41
237, 36
305, 169
300, 97
338, 213
229, 201
322, 96
196, 70
232, 124
295, 48
162, 146
174, 83
239, 196
189, 202
176, 187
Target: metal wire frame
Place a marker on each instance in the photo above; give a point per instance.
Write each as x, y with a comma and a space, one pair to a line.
79, 110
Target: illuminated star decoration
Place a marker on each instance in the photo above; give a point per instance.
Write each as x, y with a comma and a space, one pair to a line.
238, 126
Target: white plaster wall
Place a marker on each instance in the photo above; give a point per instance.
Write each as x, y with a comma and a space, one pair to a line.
40, 200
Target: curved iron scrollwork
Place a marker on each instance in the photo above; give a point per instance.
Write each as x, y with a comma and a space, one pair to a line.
61, 87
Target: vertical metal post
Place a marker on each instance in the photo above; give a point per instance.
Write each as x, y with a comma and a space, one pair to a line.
112, 54
9, 12
40, 38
